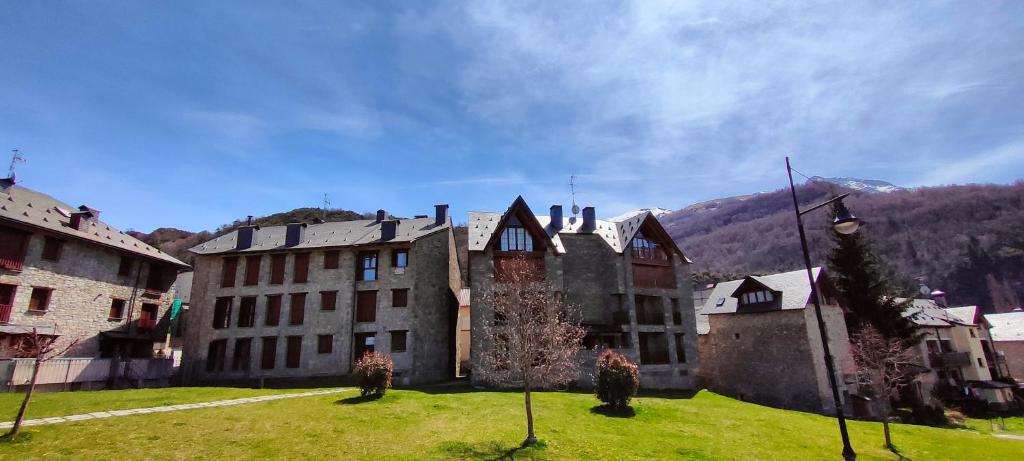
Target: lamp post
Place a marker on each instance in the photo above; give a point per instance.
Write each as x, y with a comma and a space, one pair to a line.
844, 223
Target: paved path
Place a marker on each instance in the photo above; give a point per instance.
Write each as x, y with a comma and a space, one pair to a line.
1010, 436
164, 409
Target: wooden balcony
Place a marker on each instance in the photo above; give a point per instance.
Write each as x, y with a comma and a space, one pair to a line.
654, 275
5, 313
12, 264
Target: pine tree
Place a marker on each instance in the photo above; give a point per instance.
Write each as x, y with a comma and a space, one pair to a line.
858, 276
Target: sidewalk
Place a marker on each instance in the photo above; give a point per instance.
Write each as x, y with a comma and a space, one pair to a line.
163, 409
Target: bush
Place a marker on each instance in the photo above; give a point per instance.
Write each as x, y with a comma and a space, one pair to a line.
617, 379
374, 371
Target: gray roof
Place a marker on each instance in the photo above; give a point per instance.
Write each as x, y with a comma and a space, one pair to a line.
1006, 327
927, 313
796, 292
39, 210
331, 234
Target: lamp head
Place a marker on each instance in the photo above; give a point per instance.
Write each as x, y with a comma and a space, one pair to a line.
845, 222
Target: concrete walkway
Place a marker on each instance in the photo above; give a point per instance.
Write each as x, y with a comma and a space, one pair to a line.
164, 409
1010, 436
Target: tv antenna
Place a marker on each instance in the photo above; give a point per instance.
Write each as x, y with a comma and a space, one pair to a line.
16, 158
572, 191
327, 204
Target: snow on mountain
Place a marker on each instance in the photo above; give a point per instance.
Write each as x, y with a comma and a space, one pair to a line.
656, 211
866, 185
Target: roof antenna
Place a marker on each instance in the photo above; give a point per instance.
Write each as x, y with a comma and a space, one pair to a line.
16, 158
323, 211
572, 190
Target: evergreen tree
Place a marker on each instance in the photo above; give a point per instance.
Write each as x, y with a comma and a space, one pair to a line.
858, 275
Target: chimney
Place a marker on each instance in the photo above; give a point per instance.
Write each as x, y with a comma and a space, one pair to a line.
79, 218
556, 217
94, 214
440, 214
388, 229
294, 233
939, 297
381, 215
6, 184
246, 236
589, 219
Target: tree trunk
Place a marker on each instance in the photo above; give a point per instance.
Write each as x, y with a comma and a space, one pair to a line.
885, 425
531, 438
24, 403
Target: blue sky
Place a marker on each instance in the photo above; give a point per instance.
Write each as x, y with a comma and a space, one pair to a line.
192, 114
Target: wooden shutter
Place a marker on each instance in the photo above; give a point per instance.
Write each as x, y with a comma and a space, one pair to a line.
294, 351
277, 268
331, 259
328, 300
252, 270
297, 309
400, 297
273, 311
366, 306
247, 312
398, 340
228, 271
301, 268
268, 356
325, 344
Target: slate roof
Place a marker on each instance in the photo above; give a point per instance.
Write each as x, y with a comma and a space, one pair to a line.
331, 234
926, 313
38, 210
796, 292
1006, 327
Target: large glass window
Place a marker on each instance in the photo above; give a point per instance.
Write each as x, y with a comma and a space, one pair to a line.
367, 269
515, 237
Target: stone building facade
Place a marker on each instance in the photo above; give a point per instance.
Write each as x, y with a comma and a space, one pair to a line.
307, 300
64, 272
760, 342
629, 278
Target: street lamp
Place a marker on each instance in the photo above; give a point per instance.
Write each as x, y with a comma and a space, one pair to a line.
844, 223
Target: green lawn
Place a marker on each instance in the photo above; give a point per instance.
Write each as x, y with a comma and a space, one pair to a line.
45, 404
449, 424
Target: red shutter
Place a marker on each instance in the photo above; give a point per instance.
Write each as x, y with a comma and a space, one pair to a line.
228, 271
301, 267
252, 270
277, 268
366, 306
297, 310
273, 311
331, 259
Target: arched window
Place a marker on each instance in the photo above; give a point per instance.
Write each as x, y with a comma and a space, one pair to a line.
515, 237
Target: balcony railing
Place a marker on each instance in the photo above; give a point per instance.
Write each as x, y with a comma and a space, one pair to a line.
949, 359
5, 313
12, 264
654, 276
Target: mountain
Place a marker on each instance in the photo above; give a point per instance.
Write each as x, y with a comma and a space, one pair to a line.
965, 240
863, 185
656, 211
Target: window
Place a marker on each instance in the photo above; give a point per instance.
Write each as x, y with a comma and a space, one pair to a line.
515, 237
680, 348
972, 333
980, 362
227, 271
148, 316
155, 278
252, 270
366, 306
12, 248
735, 336
367, 269
125, 267
653, 348
222, 313
324, 344
647, 250
40, 299
6, 301
297, 309
363, 343
242, 355
400, 258
273, 317
649, 310
398, 340
301, 268
331, 258
400, 297
215, 355
116, 309
328, 300
677, 314
247, 312
294, 352
268, 355
52, 248
277, 268
756, 297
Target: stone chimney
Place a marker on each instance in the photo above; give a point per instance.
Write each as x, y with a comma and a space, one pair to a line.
589, 219
939, 297
381, 215
556, 217
246, 236
82, 216
388, 229
294, 233
440, 214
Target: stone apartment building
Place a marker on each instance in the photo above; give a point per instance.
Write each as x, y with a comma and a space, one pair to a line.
307, 300
629, 277
760, 342
68, 274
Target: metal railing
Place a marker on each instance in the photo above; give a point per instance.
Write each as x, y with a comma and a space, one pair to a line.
13, 264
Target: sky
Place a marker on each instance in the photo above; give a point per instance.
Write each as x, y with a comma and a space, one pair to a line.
193, 114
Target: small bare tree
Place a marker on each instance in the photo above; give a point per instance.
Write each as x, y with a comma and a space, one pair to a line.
532, 336
885, 366
41, 348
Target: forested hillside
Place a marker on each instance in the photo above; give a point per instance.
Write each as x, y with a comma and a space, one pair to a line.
965, 240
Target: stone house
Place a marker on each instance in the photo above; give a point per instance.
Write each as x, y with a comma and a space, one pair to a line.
629, 277
1007, 334
956, 352
307, 300
68, 274
760, 342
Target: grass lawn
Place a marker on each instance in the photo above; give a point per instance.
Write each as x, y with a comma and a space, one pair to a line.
1012, 425
46, 404
449, 424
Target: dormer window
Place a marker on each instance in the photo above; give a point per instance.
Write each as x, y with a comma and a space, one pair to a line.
756, 297
646, 249
515, 237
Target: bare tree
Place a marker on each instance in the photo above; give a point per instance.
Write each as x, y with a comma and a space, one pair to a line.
885, 366
41, 348
532, 336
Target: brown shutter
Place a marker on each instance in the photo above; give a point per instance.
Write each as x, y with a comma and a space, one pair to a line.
331, 259
328, 300
366, 306
252, 270
301, 267
268, 356
277, 268
228, 270
294, 355
247, 312
400, 297
297, 310
273, 311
